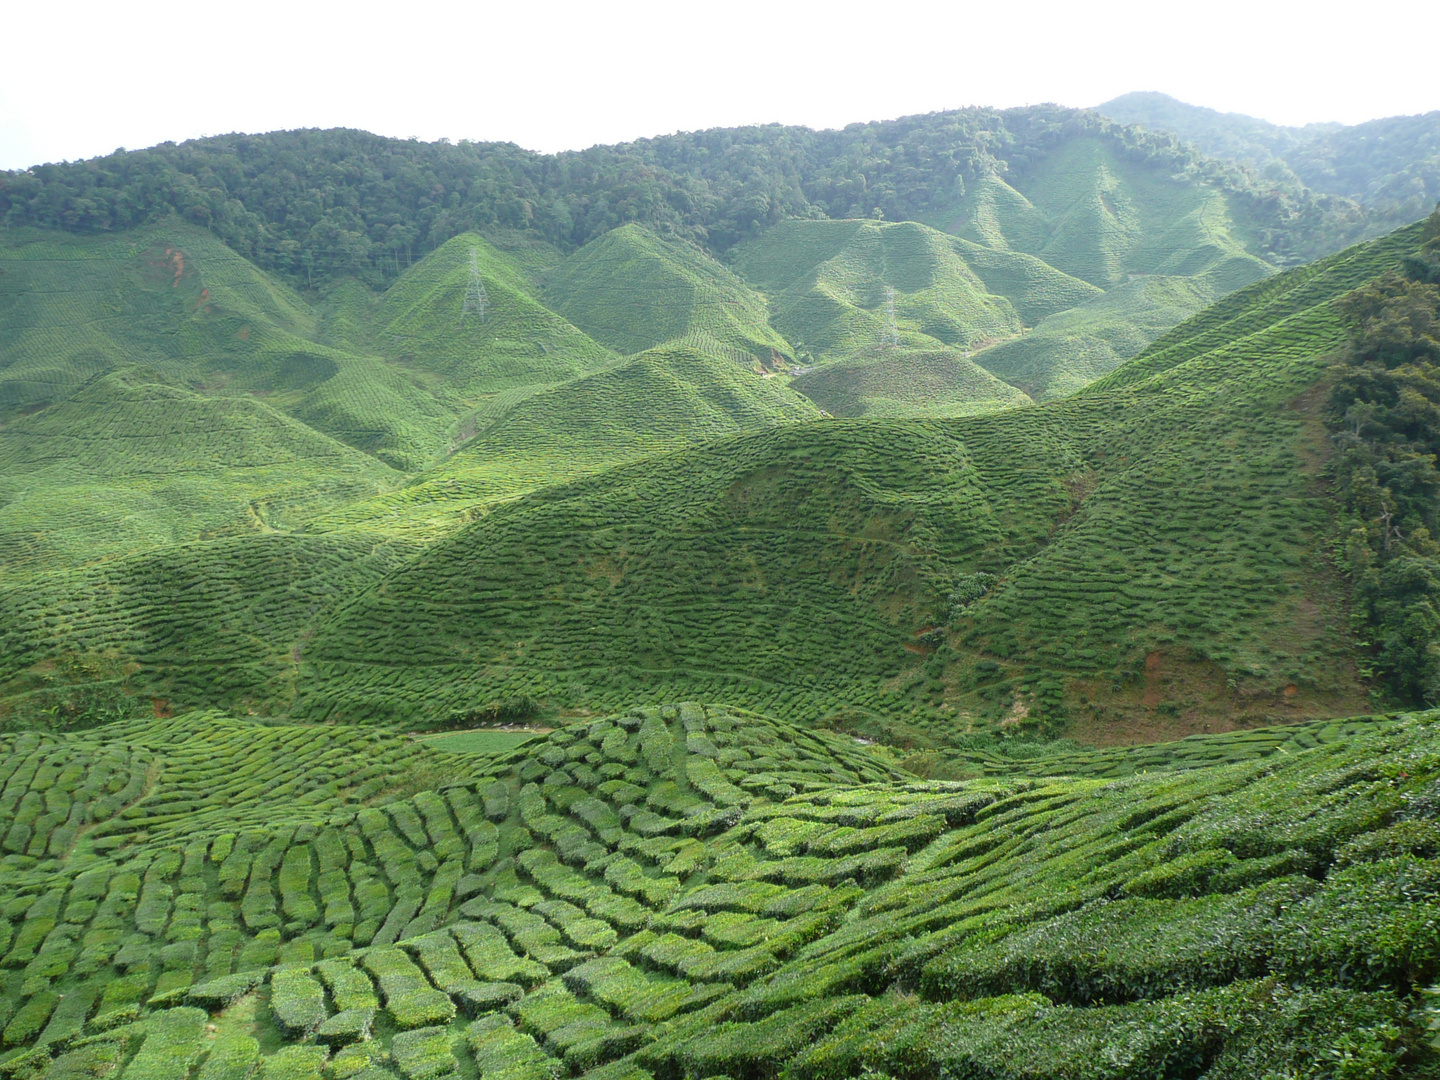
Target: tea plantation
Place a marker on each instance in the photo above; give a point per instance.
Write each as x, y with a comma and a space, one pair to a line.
696, 891
877, 604
1159, 548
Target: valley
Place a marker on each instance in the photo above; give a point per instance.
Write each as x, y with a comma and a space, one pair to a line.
954, 596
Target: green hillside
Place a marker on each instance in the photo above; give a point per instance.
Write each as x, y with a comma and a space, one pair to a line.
1160, 543
187, 311
698, 891
224, 621
633, 291
1148, 558
1090, 213
1071, 349
885, 315
941, 382
856, 290
359, 216
127, 464
1162, 250
664, 399
933, 599
515, 341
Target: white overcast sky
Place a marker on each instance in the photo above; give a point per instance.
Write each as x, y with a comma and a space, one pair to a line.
81, 79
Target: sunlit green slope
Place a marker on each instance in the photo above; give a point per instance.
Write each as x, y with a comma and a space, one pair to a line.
1159, 544
696, 891
888, 313
369, 387
664, 399
188, 311
126, 464
912, 382
510, 339
1091, 214
832, 281
1073, 348
632, 291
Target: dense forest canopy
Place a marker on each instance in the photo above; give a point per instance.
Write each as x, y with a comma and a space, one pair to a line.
316, 204
1385, 411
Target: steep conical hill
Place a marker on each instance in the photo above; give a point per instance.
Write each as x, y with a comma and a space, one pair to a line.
188, 311
72, 307
510, 340
633, 291
697, 891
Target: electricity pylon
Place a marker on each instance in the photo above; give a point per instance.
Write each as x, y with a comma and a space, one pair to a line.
475, 296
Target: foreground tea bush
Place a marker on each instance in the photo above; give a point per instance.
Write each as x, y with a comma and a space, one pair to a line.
692, 891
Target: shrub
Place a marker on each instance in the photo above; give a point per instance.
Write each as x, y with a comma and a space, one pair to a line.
297, 1000
221, 993
424, 1054
345, 1027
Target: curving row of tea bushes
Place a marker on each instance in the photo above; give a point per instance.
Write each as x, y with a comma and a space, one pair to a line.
676, 891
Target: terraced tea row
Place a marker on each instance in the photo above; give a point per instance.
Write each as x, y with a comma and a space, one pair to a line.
682, 890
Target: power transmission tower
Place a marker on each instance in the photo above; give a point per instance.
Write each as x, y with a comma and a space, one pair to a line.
891, 336
475, 296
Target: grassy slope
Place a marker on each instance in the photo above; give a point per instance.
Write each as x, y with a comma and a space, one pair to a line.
519, 342
157, 388
794, 563
940, 382
219, 621
704, 357
696, 891
1161, 544
188, 311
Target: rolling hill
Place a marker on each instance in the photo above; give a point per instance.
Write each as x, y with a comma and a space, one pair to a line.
1148, 557
1158, 544
634, 292
593, 466
691, 890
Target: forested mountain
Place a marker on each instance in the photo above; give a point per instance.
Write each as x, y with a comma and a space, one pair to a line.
1391, 165
315, 205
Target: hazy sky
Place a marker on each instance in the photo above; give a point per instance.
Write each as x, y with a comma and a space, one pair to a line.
82, 79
